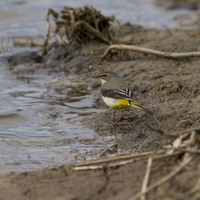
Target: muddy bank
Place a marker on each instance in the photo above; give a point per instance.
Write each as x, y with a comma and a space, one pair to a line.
113, 183
168, 87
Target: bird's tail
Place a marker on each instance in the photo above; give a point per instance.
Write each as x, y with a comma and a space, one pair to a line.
136, 105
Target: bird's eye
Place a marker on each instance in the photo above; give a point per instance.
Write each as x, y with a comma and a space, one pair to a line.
104, 75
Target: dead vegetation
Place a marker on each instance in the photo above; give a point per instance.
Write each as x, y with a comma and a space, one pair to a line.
78, 26
125, 48
185, 151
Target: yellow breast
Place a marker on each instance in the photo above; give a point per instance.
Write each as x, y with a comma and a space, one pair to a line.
116, 103
122, 104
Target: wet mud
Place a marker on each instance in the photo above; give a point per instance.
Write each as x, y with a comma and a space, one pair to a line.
168, 87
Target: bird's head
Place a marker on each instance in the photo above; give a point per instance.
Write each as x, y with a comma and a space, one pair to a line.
106, 76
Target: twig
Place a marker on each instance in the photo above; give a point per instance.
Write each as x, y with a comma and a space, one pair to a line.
166, 155
165, 178
181, 132
184, 150
146, 177
94, 167
150, 51
154, 129
46, 40
92, 30
71, 13
173, 134
118, 158
24, 42
178, 141
155, 155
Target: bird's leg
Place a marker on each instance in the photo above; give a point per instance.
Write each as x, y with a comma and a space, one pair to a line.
122, 114
114, 117
122, 117
114, 111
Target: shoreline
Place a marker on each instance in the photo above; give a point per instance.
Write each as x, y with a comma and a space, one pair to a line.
170, 87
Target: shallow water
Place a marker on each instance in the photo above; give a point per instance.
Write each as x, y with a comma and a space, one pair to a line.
39, 126
27, 18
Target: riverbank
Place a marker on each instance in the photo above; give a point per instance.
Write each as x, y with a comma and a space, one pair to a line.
143, 155
168, 87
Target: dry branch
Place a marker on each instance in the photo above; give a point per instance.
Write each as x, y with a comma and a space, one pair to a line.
190, 145
146, 177
93, 31
46, 39
122, 160
26, 42
165, 178
123, 47
93, 167
185, 150
118, 158
185, 145
79, 26
174, 134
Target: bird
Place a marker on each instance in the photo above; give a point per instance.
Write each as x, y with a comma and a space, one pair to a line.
116, 92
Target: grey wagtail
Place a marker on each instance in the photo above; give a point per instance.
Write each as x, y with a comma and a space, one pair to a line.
116, 92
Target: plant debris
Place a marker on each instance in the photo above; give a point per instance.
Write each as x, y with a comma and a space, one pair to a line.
185, 149
79, 26
122, 47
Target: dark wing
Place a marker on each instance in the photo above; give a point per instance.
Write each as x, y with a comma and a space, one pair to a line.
123, 94
118, 93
